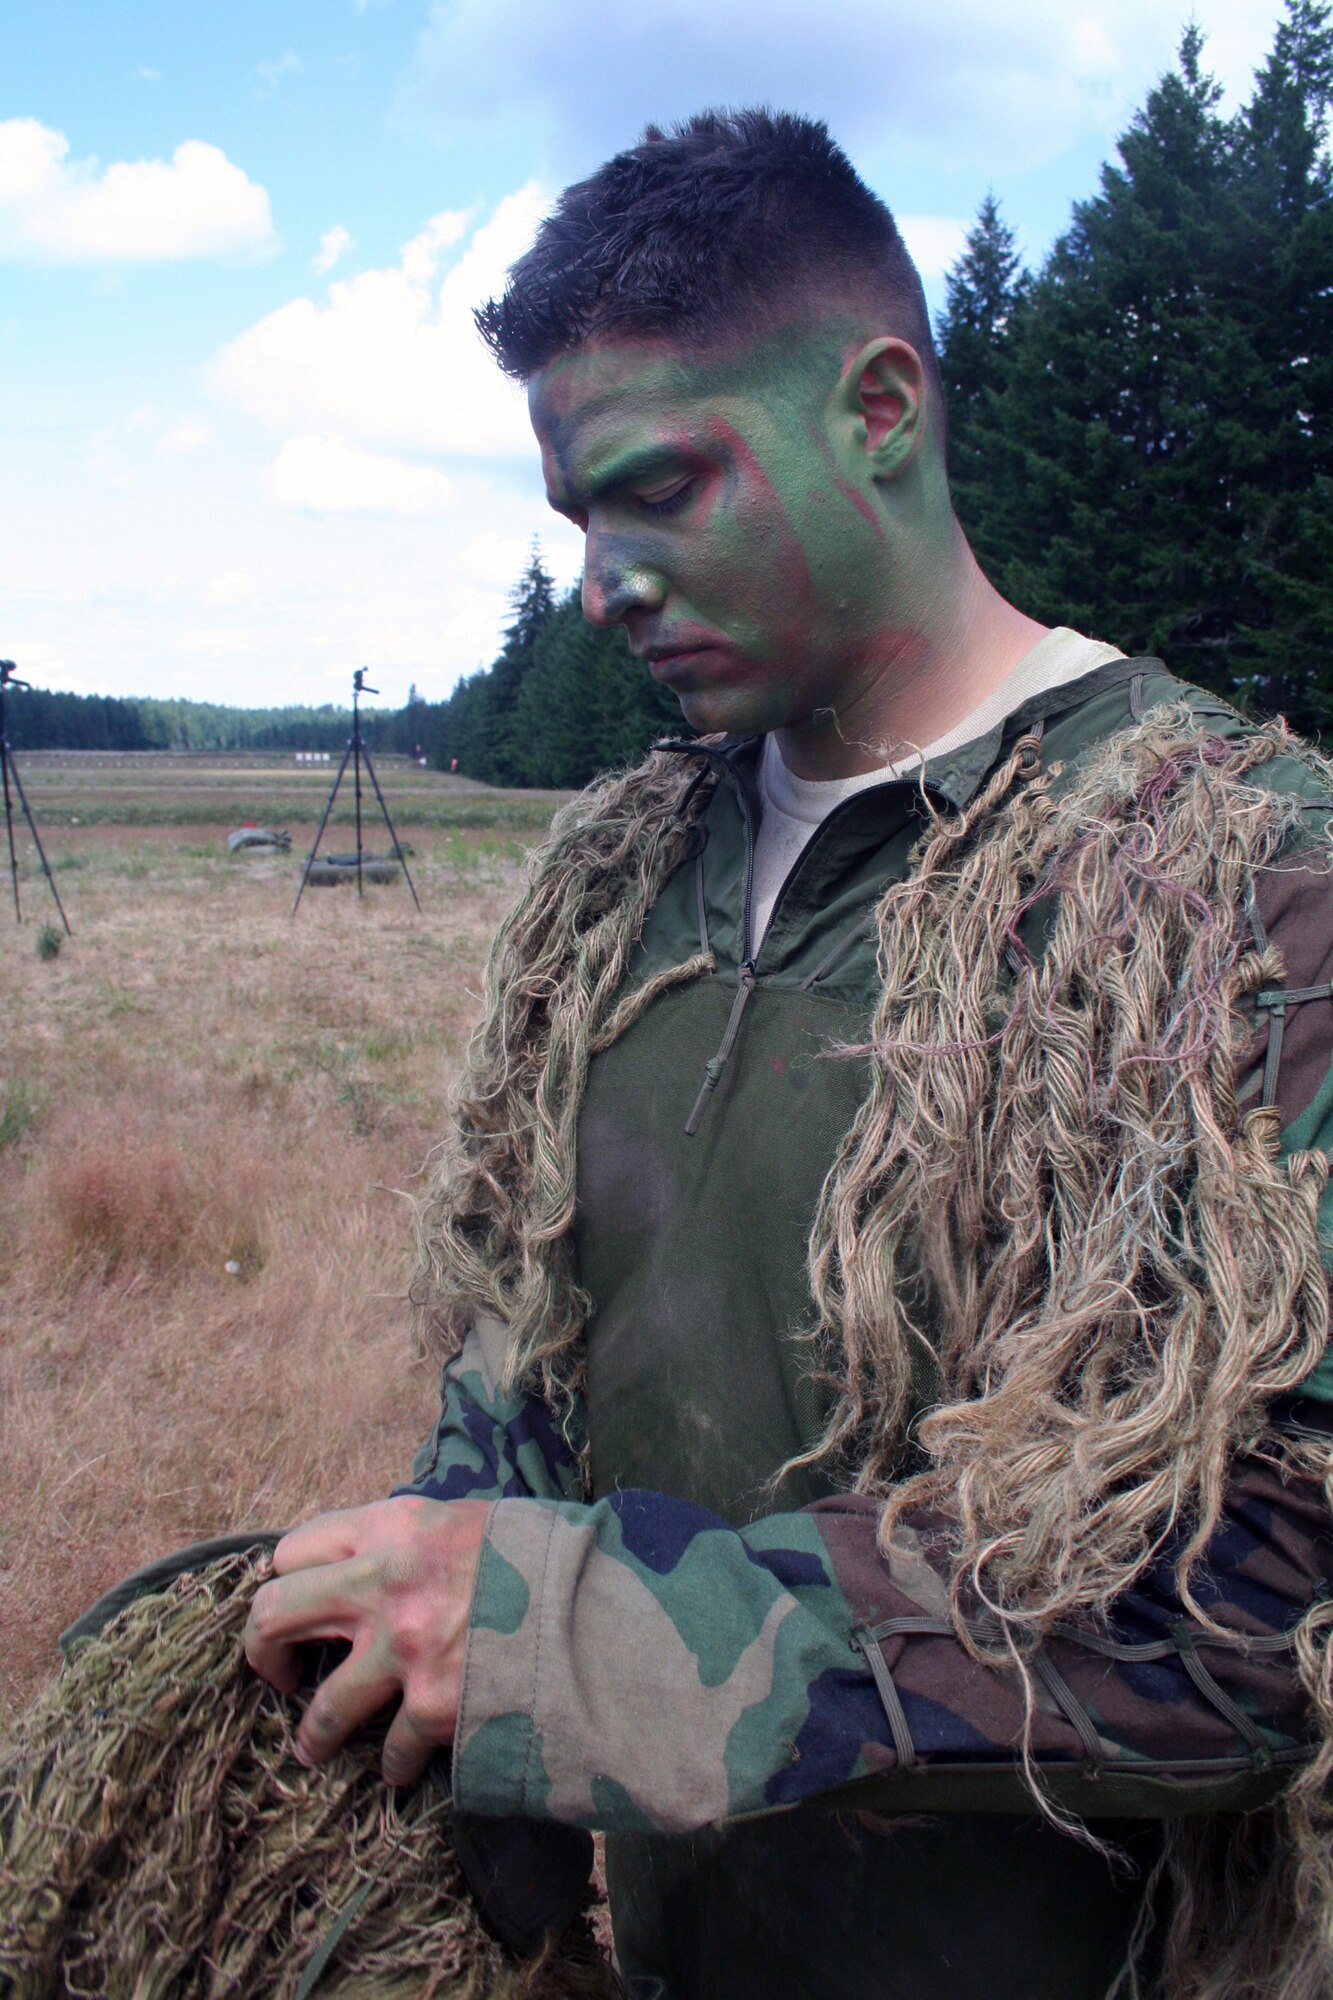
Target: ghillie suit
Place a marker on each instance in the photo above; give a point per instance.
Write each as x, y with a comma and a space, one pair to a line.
158, 1837
1050, 1194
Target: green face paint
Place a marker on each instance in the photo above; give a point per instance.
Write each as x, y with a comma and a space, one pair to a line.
733, 523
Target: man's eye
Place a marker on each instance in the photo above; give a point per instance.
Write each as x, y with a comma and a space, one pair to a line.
668, 502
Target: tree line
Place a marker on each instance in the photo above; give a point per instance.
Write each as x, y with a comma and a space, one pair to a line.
38, 720
1140, 445
562, 702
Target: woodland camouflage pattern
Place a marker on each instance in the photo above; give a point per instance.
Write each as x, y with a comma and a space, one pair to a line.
754, 1656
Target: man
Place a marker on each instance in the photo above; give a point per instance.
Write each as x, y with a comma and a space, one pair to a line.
876, 1291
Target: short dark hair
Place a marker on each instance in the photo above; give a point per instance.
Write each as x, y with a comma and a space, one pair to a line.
696, 233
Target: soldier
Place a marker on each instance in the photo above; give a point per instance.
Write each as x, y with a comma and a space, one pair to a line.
878, 1260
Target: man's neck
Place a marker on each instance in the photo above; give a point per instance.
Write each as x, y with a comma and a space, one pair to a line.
966, 639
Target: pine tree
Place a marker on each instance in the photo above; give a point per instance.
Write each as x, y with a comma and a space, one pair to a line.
1286, 191
499, 752
1151, 464
982, 291
1094, 444
587, 706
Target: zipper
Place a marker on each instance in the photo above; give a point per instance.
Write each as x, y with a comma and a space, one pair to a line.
714, 1070
746, 975
932, 789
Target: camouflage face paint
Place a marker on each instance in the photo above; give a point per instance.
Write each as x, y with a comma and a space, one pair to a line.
733, 525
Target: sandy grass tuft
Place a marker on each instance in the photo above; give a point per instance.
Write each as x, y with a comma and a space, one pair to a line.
121, 1191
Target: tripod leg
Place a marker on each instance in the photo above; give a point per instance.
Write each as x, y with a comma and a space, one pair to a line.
11, 766
397, 844
9, 829
357, 754
310, 858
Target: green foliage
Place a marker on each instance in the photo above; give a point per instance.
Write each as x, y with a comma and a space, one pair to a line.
49, 940
563, 702
586, 706
18, 1110
1149, 441
982, 290
39, 720
500, 743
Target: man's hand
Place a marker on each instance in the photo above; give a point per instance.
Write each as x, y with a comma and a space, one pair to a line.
394, 1580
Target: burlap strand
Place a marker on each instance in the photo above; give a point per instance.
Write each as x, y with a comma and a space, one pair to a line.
159, 1840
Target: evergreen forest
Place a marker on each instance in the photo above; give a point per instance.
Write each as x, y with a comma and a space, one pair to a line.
38, 720
1140, 445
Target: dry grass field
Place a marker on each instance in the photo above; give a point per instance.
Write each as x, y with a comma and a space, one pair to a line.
197, 1081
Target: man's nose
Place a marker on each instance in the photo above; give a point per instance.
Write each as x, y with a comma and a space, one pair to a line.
617, 582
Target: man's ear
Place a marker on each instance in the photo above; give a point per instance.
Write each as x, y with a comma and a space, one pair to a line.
881, 396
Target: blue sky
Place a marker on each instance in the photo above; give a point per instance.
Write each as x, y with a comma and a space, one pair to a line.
250, 439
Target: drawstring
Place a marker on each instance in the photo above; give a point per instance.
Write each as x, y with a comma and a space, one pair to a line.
713, 1070
704, 946
1029, 762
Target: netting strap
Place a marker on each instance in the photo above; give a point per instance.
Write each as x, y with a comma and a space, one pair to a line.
354, 1905
888, 1694
1183, 1644
1275, 1003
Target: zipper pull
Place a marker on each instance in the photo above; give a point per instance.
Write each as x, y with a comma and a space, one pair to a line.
713, 1070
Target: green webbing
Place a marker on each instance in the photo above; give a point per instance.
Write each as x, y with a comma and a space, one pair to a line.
334, 1936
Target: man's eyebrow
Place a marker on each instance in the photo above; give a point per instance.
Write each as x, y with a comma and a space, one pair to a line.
640, 462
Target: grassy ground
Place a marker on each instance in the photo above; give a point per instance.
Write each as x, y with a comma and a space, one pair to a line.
68, 788
197, 1082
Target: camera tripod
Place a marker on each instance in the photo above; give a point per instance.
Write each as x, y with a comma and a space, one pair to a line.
359, 755
13, 787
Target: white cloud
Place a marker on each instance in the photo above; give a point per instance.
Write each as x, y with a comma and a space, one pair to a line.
964, 82
933, 241
326, 476
149, 75
391, 360
272, 72
495, 559
195, 582
197, 204
182, 437
333, 244
224, 593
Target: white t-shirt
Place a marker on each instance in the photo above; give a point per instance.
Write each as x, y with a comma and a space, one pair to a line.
792, 808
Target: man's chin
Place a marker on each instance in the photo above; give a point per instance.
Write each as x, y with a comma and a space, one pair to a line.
729, 712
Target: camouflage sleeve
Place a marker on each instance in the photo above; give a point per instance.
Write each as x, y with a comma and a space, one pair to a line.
640, 1665
490, 1445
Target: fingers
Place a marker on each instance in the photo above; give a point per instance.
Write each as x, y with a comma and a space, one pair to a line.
353, 1692
394, 1580
326, 1603
326, 1538
287, 1612
409, 1746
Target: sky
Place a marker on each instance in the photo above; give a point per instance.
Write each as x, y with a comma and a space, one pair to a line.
250, 438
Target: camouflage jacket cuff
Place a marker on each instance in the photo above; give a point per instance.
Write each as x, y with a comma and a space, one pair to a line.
500, 1773
637, 1664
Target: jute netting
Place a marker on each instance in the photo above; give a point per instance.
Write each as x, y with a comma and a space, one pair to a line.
160, 1841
